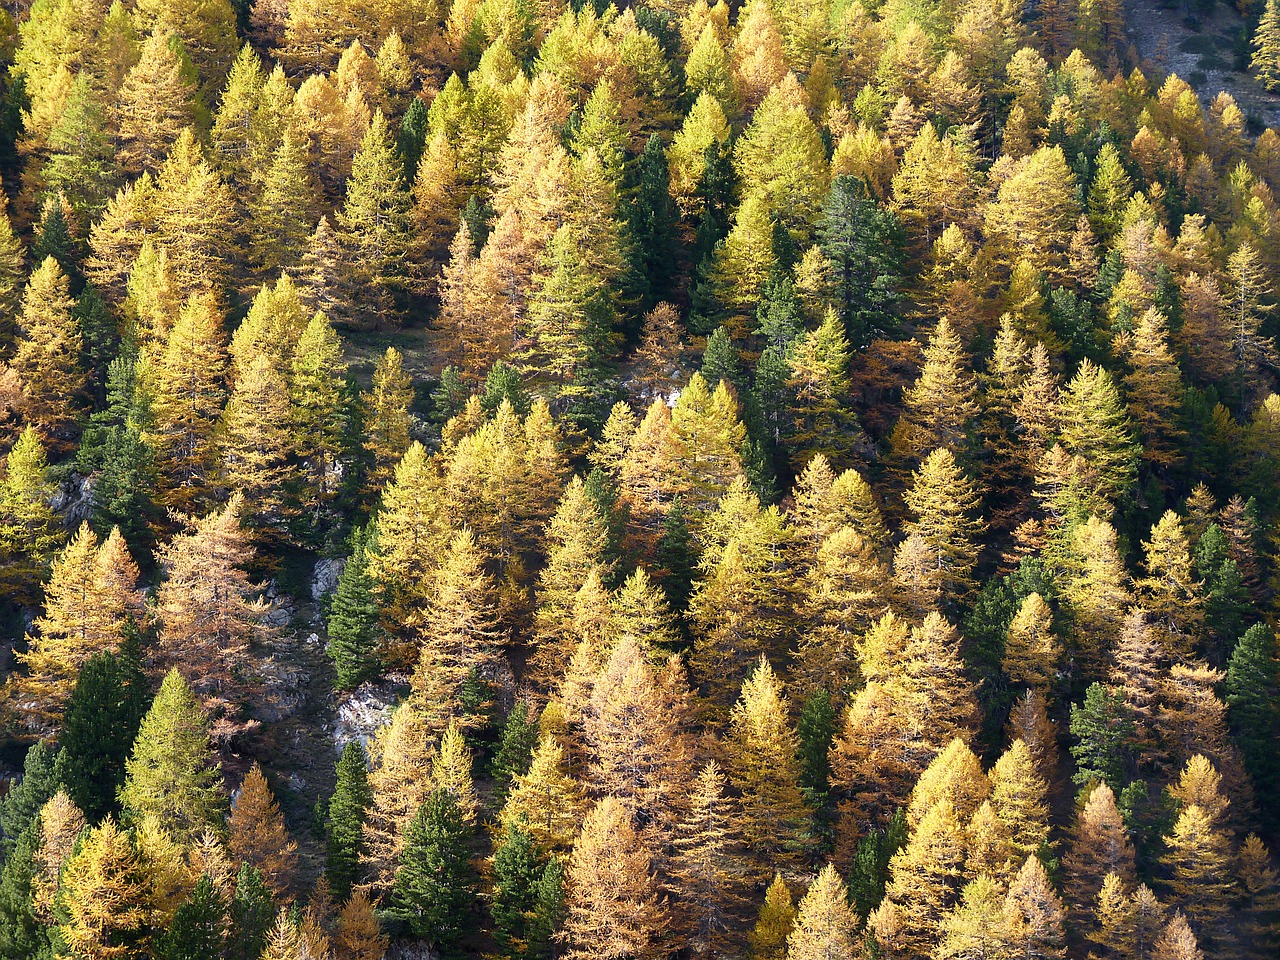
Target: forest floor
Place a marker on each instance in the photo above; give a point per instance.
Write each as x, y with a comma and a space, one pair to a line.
1202, 50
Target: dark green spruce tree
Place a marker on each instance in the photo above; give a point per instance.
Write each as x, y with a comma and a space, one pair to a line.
198, 930
99, 727
434, 886
353, 619
347, 809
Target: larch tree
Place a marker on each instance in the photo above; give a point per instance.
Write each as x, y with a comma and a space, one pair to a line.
576, 543
374, 222
1035, 209
1266, 48
764, 767
207, 606
941, 405
613, 909
257, 446
708, 865
92, 589
387, 416
923, 886
359, 935
30, 532
46, 357
546, 801
1097, 845
154, 105
105, 894
257, 835
1032, 651
1019, 798
1033, 913
318, 414
173, 778
826, 926
188, 393
1095, 425
461, 639
944, 501
640, 752
399, 783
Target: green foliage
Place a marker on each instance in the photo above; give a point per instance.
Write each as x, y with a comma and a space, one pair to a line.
353, 618
99, 727
198, 929
22, 935
1102, 730
1253, 696
815, 728
434, 886
173, 778
20, 807
252, 911
864, 244
347, 809
515, 748
870, 870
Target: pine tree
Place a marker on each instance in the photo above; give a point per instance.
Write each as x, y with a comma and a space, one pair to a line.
353, 618
763, 766
252, 912
99, 727
613, 909
172, 777
46, 357
1253, 698
1266, 48
256, 834
20, 808
29, 530
434, 886
199, 926
516, 870
81, 166
347, 809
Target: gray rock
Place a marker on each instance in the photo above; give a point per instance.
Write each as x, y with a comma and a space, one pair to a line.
365, 710
325, 578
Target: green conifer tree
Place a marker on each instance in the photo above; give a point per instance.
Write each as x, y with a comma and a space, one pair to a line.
347, 807
173, 779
